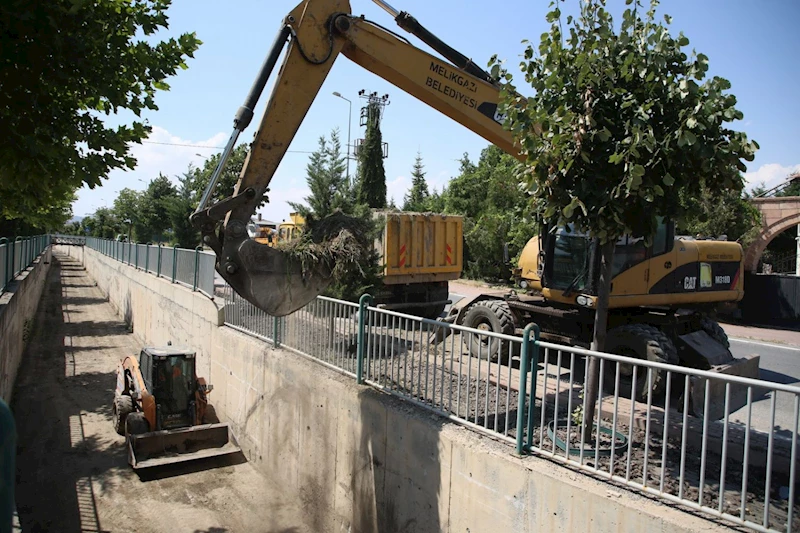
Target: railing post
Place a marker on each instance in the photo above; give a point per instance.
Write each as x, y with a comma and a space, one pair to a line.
15, 271
136, 260
528, 364
147, 257
174, 261
158, 272
196, 266
276, 331
363, 303
3, 281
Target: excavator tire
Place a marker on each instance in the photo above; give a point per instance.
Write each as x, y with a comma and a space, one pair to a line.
123, 406
715, 331
136, 424
640, 341
489, 315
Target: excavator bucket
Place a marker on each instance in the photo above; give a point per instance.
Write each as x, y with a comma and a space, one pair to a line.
271, 279
158, 448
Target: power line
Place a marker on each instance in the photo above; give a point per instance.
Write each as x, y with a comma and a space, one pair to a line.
213, 147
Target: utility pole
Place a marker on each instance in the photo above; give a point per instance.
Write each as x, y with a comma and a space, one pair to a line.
349, 120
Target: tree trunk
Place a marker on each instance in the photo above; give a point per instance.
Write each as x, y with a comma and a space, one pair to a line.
599, 341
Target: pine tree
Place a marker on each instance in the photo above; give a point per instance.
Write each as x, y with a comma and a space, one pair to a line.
372, 176
417, 197
325, 176
183, 233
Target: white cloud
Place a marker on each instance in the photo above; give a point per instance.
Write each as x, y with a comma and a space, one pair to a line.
771, 175
163, 152
278, 208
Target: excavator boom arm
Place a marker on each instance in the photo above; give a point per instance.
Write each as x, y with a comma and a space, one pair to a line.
318, 31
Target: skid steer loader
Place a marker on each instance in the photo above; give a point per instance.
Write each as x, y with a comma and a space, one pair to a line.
162, 409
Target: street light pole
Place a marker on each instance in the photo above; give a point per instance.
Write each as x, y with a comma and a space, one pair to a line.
349, 120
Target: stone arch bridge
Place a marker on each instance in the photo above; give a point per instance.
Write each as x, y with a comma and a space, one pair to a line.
777, 215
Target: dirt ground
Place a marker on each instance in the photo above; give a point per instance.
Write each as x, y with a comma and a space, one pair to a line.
72, 473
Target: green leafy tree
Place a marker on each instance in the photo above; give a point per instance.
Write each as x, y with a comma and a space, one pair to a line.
66, 63
417, 197
724, 213
180, 209
496, 213
129, 210
103, 223
372, 176
621, 124
73, 228
155, 203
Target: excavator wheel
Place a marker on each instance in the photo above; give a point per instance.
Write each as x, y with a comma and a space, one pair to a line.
715, 331
136, 424
123, 406
489, 315
640, 341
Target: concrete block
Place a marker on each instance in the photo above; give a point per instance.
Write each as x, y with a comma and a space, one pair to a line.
487, 493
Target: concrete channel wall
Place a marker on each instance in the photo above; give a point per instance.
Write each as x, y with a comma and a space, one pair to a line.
360, 460
18, 305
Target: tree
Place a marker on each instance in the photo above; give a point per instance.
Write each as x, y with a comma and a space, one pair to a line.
372, 176
496, 212
184, 233
103, 223
66, 63
417, 197
129, 210
621, 125
155, 203
326, 179
725, 213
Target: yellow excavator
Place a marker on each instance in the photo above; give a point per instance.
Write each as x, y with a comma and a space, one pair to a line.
663, 295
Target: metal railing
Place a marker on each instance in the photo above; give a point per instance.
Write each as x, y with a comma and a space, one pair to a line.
17, 254
649, 432
191, 268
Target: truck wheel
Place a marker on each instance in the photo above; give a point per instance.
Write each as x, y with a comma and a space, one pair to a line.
640, 341
136, 424
715, 331
123, 406
494, 316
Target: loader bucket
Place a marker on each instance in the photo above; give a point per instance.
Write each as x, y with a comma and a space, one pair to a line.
158, 448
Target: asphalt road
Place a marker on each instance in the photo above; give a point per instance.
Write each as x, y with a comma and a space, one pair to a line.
780, 364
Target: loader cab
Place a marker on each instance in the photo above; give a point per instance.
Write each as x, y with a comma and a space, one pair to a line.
170, 375
572, 259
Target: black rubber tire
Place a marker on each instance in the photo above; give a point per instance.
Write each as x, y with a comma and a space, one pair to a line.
122, 407
715, 331
494, 316
136, 424
641, 341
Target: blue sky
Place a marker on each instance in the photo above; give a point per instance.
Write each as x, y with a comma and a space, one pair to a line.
753, 44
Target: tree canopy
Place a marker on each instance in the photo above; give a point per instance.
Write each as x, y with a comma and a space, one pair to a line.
66, 65
622, 122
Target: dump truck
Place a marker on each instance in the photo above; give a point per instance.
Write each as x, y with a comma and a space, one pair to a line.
161, 408
419, 254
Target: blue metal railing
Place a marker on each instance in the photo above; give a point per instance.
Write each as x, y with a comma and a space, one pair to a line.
191, 268
17, 254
